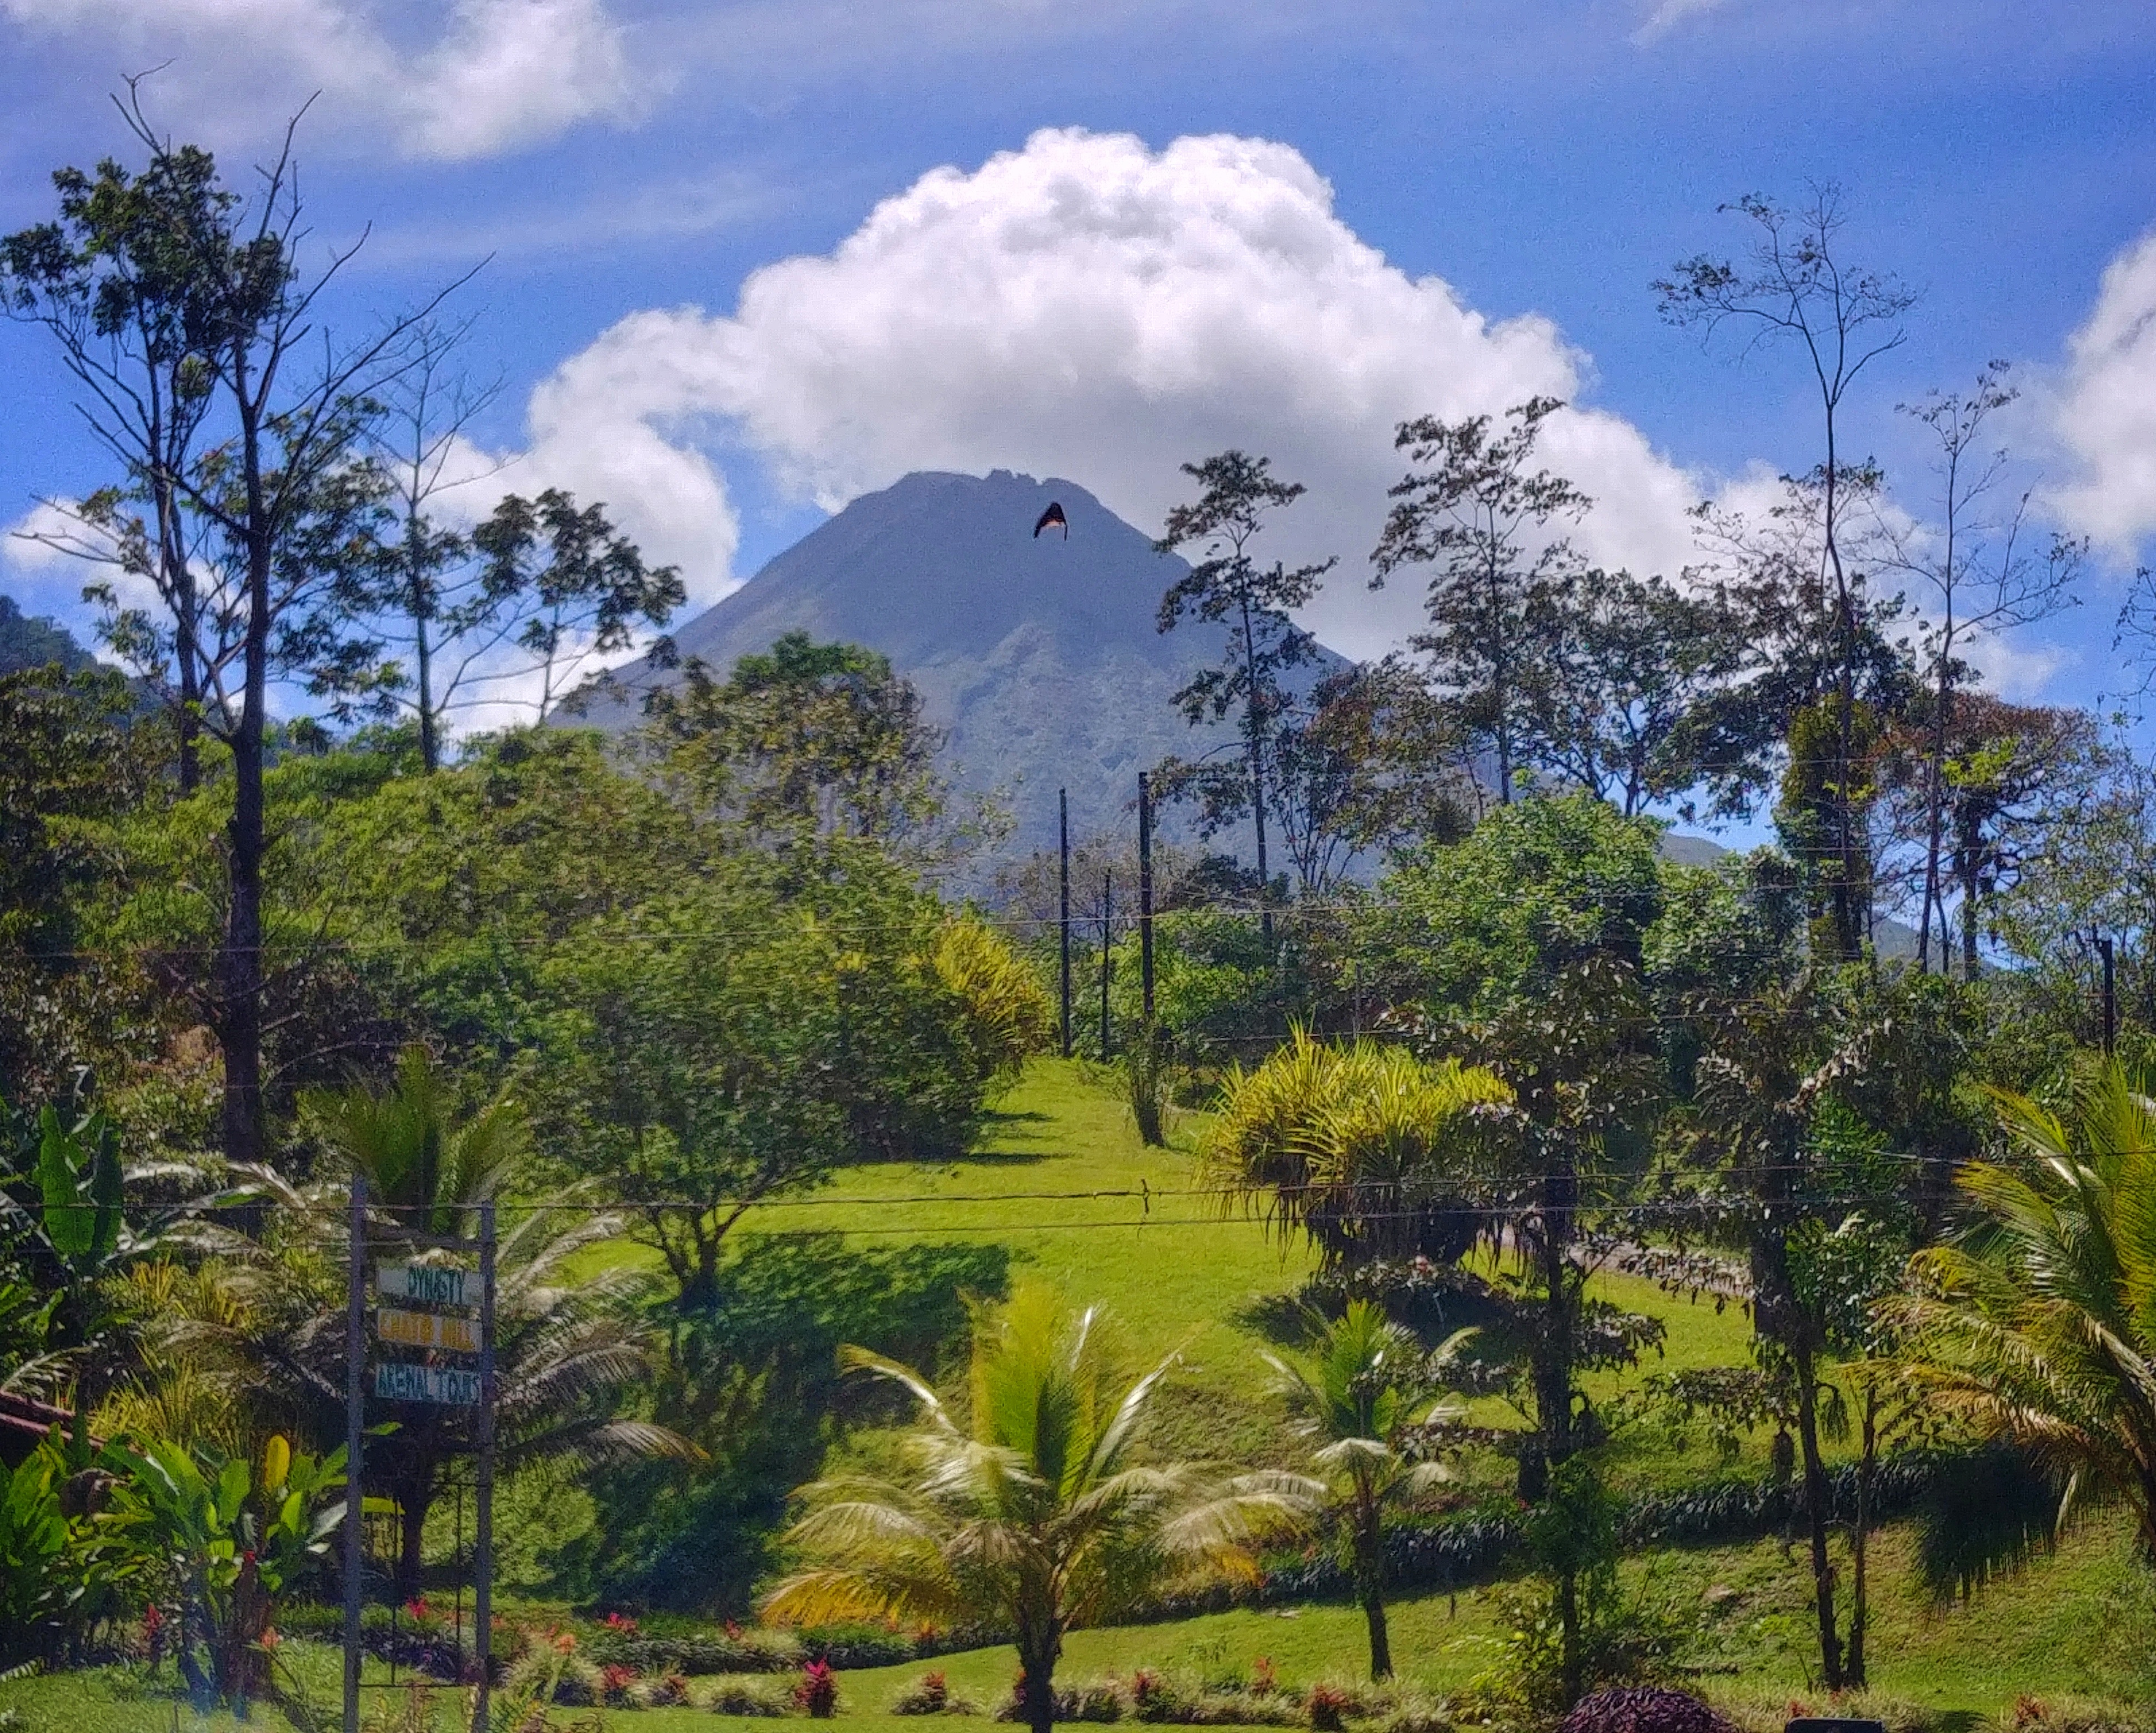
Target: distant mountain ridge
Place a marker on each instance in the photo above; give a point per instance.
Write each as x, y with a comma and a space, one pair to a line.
1039, 654
30, 641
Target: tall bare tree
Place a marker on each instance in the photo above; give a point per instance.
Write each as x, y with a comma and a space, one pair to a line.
276, 486
1795, 287
1983, 576
110, 279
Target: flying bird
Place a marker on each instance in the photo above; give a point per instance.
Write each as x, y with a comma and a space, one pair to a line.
1053, 518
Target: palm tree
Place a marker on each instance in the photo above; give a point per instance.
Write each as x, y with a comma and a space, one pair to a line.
1363, 1149
2041, 1326
1367, 1386
1035, 1516
271, 1322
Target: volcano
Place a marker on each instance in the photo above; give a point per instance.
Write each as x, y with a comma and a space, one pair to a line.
1037, 654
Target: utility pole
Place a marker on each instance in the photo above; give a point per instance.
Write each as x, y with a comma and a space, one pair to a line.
2110, 995
1145, 895
1107, 938
354, 1438
1063, 884
483, 1590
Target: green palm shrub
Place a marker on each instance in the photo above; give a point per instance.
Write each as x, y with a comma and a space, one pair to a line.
1359, 1400
2040, 1326
1362, 1148
1033, 1514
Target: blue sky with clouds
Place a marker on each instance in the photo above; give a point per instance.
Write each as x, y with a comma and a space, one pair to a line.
746, 259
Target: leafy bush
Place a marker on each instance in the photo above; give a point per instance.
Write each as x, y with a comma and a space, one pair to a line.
37, 1589
929, 1694
751, 1697
1328, 1707
1004, 1015
224, 1539
1642, 1709
817, 1690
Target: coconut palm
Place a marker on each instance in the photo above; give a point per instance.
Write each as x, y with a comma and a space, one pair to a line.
270, 1320
2041, 1325
1367, 1385
1364, 1149
1034, 1514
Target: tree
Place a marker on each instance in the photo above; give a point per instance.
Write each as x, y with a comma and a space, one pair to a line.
116, 281
1471, 510
278, 411
1775, 1057
1361, 760
1983, 580
1632, 664
75, 756
1367, 1386
805, 738
574, 587
1796, 288
566, 1344
1228, 586
2006, 774
2038, 1329
1034, 1515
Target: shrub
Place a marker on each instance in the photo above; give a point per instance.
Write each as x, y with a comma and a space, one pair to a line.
750, 1697
671, 1692
1642, 1709
1153, 1698
1101, 1701
614, 1682
2071, 1715
817, 1690
929, 1694
1328, 1708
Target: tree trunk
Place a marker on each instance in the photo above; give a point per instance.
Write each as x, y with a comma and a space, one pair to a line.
240, 1031
1254, 725
414, 1499
1853, 1669
1552, 1370
1036, 1663
1816, 1515
1381, 1647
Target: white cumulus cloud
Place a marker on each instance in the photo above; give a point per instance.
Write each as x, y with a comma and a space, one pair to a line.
1091, 308
494, 74
2104, 412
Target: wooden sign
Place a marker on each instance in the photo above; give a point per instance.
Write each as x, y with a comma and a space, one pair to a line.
431, 1284
398, 1380
428, 1330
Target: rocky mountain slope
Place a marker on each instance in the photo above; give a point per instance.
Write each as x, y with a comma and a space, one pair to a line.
1039, 654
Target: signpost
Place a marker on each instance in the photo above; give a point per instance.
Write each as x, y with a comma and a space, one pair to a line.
434, 1319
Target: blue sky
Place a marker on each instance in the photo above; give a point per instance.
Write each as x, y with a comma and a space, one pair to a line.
1378, 209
